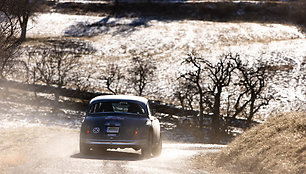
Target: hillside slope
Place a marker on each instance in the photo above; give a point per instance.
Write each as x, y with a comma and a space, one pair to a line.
277, 146
168, 41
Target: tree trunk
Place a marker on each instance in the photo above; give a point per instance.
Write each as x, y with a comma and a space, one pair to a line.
201, 113
201, 100
23, 24
215, 119
1, 73
56, 98
251, 114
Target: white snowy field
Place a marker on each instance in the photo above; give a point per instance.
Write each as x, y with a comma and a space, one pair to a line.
169, 41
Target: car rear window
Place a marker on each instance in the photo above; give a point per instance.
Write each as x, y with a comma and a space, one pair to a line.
117, 106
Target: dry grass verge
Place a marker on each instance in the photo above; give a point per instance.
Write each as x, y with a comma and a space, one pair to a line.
277, 146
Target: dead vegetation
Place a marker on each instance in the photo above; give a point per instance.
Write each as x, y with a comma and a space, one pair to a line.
276, 146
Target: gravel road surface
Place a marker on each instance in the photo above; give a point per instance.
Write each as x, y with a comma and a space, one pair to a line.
44, 149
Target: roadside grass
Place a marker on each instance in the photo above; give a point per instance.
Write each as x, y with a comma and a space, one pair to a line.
276, 146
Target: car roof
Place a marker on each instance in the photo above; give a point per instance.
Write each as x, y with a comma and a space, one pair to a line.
119, 97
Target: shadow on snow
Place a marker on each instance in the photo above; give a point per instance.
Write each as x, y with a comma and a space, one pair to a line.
106, 25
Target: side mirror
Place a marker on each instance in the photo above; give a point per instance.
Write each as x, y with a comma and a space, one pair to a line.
83, 116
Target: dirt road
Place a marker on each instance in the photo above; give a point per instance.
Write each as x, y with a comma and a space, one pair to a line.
55, 150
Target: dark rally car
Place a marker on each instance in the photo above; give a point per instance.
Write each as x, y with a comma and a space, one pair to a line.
118, 121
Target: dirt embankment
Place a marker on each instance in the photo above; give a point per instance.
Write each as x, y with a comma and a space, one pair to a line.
277, 146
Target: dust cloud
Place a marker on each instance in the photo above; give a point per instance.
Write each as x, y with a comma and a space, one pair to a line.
54, 149
33, 139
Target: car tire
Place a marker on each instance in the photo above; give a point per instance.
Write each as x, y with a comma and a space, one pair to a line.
158, 148
147, 150
84, 149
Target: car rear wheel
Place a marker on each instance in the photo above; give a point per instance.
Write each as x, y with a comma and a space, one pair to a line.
158, 148
147, 150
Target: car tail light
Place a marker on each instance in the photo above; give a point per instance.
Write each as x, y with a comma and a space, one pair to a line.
136, 132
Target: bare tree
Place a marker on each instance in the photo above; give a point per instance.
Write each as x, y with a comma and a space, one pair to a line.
248, 93
82, 84
8, 41
185, 93
243, 85
195, 78
209, 89
23, 10
141, 73
254, 81
113, 79
31, 76
219, 75
56, 64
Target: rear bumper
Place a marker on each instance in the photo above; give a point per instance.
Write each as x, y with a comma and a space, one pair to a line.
109, 143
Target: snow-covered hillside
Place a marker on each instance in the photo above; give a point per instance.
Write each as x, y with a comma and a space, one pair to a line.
168, 42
